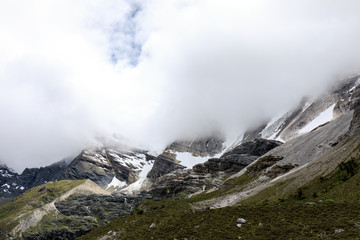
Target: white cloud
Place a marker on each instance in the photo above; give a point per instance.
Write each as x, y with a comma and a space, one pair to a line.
153, 70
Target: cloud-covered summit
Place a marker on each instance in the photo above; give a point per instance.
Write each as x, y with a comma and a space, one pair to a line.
154, 70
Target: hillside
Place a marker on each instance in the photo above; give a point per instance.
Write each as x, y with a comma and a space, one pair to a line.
326, 207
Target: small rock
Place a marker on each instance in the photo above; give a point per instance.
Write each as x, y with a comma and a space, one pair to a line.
241, 220
310, 203
260, 224
152, 225
239, 225
109, 232
114, 234
357, 224
339, 230
197, 226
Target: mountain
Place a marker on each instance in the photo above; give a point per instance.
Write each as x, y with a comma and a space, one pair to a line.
284, 178
305, 188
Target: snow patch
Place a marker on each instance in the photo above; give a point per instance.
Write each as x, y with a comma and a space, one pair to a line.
323, 117
188, 160
116, 183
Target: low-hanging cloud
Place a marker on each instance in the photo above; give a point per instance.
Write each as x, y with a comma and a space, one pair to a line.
155, 70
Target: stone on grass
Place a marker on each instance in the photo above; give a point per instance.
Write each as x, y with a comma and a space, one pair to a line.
241, 220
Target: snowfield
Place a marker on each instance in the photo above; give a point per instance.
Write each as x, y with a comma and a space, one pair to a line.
323, 117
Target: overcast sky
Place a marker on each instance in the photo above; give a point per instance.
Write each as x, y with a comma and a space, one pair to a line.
152, 70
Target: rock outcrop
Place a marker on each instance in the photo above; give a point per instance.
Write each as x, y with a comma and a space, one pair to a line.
355, 123
164, 163
102, 165
237, 158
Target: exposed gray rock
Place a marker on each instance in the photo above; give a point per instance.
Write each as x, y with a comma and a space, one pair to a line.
92, 165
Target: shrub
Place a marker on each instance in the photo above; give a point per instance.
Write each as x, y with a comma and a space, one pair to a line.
347, 170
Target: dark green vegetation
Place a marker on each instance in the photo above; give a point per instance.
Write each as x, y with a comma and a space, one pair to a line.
32, 199
175, 220
327, 207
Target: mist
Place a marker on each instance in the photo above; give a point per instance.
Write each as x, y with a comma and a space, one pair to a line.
72, 72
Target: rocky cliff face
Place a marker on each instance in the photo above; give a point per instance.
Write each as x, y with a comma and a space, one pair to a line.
102, 165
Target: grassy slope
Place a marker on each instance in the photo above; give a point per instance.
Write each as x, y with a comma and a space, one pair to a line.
32, 199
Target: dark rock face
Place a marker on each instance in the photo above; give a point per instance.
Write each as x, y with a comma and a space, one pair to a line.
13, 184
238, 158
257, 147
231, 163
355, 123
37, 176
164, 163
103, 208
90, 165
